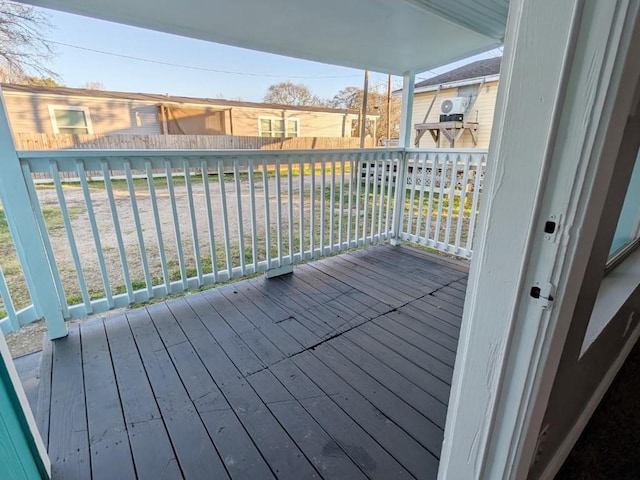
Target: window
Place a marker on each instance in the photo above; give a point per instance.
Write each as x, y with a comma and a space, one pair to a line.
278, 127
627, 232
67, 119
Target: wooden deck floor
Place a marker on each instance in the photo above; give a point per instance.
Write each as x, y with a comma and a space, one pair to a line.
341, 370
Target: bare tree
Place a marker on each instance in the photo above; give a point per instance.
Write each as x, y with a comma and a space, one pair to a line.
288, 93
93, 85
350, 98
24, 48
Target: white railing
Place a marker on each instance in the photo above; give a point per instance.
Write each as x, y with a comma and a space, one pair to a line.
130, 237
227, 214
442, 198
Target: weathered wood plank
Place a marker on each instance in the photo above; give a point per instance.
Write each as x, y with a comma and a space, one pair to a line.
44, 391
278, 315
325, 454
409, 419
433, 322
425, 361
68, 432
264, 349
193, 446
419, 399
241, 355
422, 378
108, 439
286, 343
282, 455
401, 446
152, 451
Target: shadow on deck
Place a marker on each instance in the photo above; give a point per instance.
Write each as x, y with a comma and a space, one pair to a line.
341, 370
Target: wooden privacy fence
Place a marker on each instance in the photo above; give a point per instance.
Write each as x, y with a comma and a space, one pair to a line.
49, 141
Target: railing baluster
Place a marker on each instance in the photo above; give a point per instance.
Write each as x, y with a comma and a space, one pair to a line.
210, 227
267, 211
279, 210
117, 230
432, 189
236, 176
312, 219
225, 218
480, 164
94, 230
332, 192
158, 225
301, 211
204, 167
383, 177
290, 205
46, 241
358, 186
194, 225
414, 174
421, 197
7, 303
463, 200
254, 229
374, 199
323, 202
341, 203
138, 224
452, 196
353, 171
394, 167
55, 175
176, 224
443, 180
365, 207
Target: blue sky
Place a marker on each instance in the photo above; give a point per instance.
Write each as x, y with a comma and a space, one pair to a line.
254, 71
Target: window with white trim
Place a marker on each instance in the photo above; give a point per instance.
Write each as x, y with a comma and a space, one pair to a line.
278, 127
70, 119
627, 236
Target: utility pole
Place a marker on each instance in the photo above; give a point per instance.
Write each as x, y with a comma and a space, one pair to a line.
365, 98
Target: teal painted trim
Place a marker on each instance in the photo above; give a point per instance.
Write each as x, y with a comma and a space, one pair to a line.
19, 457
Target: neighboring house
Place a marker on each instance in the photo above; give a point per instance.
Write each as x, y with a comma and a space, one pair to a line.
38, 109
477, 83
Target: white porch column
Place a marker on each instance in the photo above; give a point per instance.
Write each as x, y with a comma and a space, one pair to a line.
567, 83
26, 235
408, 86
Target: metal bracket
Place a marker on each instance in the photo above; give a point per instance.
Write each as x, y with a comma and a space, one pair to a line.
552, 227
544, 292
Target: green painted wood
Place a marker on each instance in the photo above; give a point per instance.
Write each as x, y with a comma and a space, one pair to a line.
19, 458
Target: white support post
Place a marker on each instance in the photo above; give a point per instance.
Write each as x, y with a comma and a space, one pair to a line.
572, 67
25, 233
408, 87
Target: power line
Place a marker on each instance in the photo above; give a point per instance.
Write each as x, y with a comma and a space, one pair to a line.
192, 67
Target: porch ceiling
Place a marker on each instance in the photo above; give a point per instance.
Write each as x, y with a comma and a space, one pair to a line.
388, 36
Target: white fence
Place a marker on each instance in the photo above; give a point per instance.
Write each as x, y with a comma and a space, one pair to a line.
130, 237
442, 199
114, 243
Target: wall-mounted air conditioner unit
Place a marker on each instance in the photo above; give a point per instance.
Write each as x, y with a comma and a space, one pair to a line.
452, 109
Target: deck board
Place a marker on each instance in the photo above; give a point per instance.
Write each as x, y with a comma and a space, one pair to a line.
340, 370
